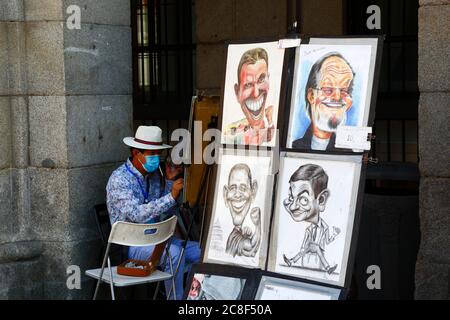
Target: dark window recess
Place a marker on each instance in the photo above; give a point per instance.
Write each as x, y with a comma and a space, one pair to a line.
397, 104
163, 58
389, 233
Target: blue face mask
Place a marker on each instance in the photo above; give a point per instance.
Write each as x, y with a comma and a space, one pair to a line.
151, 163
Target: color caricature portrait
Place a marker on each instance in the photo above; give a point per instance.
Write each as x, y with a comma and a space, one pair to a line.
331, 84
252, 94
314, 218
238, 228
214, 287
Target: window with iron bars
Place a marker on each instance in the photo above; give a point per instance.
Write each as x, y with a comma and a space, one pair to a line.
398, 99
396, 120
163, 58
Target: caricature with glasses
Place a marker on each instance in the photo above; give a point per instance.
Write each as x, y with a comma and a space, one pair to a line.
328, 97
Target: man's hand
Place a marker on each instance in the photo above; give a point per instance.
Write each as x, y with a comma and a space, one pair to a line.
271, 127
247, 232
176, 188
255, 215
269, 115
336, 231
173, 171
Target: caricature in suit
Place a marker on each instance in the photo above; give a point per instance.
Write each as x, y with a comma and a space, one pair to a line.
308, 195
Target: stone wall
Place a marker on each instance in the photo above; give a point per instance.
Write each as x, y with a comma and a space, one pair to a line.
433, 266
222, 21
65, 105
322, 17
219, 22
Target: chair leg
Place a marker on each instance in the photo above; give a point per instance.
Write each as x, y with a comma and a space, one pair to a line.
173, 278
111, 280
163, 264
105, 258
177, 269
156, 290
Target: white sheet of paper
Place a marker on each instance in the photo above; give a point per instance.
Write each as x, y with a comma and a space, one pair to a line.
274, 292
353, 137
288, 43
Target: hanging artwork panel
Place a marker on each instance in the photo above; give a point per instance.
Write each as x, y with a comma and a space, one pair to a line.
220, 282
334, 85
251, 94
314, 217
239, 225
279, 288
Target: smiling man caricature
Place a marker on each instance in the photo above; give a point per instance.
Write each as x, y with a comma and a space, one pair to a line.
251, 93
308, 195
239, 195
328, 98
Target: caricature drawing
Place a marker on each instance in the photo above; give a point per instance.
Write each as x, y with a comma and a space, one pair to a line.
308, 195
214, 287
251, 92
328, 98
239, 195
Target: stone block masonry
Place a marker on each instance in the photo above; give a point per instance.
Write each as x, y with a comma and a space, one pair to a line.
65, 105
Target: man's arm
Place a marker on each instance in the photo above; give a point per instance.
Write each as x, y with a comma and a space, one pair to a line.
167, 190
250, 244
123, 206
330, 238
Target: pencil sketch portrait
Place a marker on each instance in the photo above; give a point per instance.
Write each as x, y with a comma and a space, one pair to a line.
314, 216
239, 194
238, 231
308, 195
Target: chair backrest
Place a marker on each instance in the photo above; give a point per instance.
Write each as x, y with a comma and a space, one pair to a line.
138, 235
102, 221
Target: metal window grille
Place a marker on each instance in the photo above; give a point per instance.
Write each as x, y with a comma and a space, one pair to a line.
163, 58
397, 104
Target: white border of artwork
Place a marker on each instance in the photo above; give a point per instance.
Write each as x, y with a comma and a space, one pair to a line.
273, 254
295, 290
265, 214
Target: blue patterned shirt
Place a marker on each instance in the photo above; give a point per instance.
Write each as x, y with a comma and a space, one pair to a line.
125, 200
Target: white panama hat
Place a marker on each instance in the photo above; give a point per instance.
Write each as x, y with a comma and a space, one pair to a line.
147, 138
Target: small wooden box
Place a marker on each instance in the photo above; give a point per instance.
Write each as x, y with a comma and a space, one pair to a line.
147, 269
148, 265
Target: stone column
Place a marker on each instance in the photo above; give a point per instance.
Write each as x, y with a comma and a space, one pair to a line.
433, 266
65, 105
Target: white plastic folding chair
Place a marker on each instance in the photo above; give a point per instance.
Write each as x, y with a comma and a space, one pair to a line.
137, 235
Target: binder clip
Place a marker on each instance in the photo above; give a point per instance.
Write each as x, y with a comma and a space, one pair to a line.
369, 160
